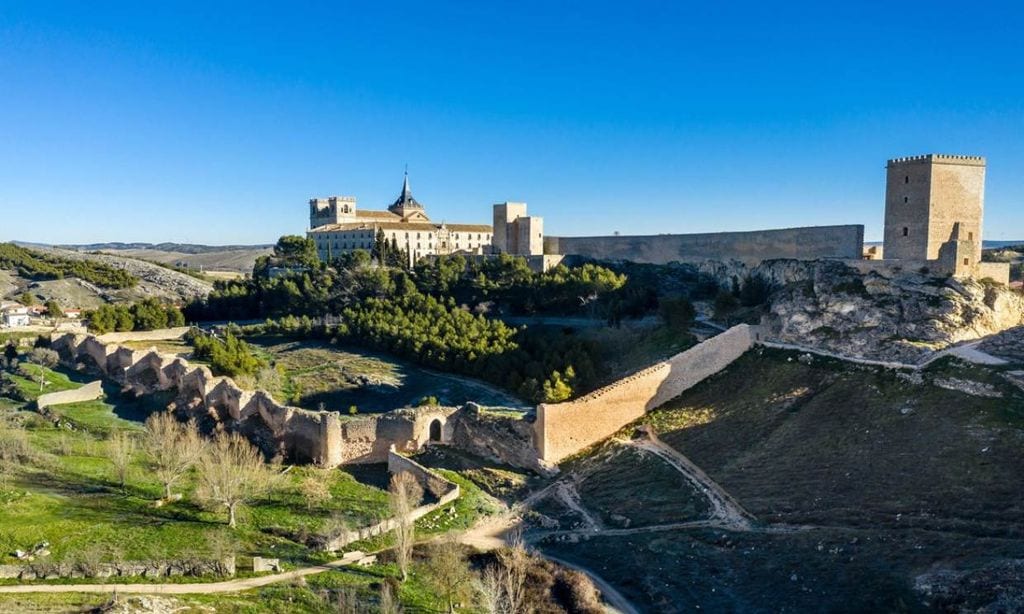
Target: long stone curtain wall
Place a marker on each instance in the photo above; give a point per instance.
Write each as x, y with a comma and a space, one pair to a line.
557, 430
562, 429
806, 243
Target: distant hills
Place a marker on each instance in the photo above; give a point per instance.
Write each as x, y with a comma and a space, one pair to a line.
181, 248
998, 244
232, 259
984, 244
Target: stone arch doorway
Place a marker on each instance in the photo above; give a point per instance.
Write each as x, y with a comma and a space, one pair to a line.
435, 430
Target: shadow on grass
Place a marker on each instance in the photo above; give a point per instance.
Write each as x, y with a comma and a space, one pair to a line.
373, 474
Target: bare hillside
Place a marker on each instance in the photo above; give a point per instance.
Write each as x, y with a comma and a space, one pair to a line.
234, 260
154, 281
869, 489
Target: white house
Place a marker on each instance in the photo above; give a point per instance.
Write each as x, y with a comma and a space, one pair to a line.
13, 314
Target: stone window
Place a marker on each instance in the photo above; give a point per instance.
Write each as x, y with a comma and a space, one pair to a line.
906, 231
905, 199
906, 179
967, 261
970, 236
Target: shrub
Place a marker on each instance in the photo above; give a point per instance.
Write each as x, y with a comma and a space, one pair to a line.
232, 356
149, 314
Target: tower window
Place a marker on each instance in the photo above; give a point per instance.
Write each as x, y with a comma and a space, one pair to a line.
967, 261
906, 231
905, 199
970, 236
906, 179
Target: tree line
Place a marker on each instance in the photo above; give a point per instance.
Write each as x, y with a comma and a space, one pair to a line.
148, 314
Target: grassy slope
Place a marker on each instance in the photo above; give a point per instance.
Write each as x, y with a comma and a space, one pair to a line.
856, 445
899, 478
627, 487
313, 372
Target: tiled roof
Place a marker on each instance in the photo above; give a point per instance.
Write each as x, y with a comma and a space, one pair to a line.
409, 226
381, 215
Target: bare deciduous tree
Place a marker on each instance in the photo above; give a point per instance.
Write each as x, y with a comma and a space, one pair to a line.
173, 447
389, 603
490, 587
15, 450
44, 359
448, 571
503, 584
120, 452
232, 473
406, 494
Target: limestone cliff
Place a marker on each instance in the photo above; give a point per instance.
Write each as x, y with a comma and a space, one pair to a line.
901, 317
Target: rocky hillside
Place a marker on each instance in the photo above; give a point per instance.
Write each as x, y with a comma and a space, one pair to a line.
153, 281
904, 317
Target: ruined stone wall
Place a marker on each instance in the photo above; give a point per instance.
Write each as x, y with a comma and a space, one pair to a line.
996, 271
88, 392
126, 569
433, 483
302, 434
563, 429
501, 437
808, 243
162, 334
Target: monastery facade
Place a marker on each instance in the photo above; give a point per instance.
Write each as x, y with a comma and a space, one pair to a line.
338, 226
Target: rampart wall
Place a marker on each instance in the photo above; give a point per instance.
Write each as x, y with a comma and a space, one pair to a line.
444, 491
302, 434
807, 243
563, 429
88, 392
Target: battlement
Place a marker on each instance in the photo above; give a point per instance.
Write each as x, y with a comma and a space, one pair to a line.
938, 159
323, 202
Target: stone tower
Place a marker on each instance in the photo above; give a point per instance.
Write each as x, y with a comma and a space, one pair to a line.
932, 200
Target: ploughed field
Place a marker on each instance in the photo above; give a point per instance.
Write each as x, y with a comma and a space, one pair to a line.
871, 490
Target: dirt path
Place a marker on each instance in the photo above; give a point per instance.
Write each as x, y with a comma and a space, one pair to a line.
725, 509
614, 598
570, 497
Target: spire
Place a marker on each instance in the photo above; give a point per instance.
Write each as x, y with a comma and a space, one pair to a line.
405, 202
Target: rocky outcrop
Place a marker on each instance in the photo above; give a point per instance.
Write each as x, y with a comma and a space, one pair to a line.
902, 317
1008, 345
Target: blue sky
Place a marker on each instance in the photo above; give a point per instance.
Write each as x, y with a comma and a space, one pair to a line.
215, 124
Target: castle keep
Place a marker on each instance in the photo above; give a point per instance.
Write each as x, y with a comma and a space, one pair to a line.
934, 206
930, 200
